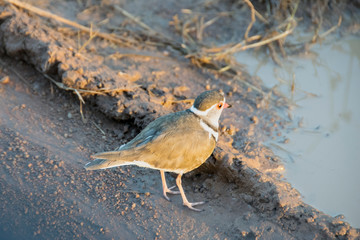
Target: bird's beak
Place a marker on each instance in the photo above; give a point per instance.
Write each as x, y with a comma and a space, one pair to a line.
226, 105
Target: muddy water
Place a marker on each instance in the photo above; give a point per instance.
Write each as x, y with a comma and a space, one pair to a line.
322, 153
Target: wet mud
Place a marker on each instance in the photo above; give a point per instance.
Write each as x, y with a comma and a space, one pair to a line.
47, 135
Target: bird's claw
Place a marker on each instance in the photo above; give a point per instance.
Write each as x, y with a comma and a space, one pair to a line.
168, 190
173, 192
191, 206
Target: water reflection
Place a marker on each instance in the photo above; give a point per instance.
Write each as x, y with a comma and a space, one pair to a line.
323, 156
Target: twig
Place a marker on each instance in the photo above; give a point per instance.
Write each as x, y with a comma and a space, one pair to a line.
273, 54
241, 47
186, 36
290, 154
81, 113
92, 35
137, 21
261, 17
200, 28
253, 19
134, 19
79, 96
264, 42
118, 55
78, 90
331, 29
62, 86
98, 127
114, 38
293, 14
211, 21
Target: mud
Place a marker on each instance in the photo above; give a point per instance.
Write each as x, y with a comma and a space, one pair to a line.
47, 194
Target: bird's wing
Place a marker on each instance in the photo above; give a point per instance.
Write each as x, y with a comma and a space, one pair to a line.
130, 152
150, 132
179, 150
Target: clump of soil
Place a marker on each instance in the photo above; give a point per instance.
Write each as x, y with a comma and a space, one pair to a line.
48, 134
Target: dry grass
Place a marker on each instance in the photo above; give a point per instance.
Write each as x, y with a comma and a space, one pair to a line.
192, 26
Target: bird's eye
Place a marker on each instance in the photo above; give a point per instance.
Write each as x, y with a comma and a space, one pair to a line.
219, 106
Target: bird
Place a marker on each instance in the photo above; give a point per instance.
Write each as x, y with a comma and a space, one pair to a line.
177, 142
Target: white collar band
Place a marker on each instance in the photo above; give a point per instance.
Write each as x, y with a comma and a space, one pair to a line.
198, 112
211, 131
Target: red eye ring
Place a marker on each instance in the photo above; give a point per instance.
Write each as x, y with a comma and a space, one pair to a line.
219, 106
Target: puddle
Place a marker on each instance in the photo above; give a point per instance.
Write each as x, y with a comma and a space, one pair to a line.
322, 157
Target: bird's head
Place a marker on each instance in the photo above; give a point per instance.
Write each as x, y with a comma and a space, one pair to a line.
209, 105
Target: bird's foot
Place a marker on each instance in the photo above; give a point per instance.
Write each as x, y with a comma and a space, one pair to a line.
191, 206
168, 190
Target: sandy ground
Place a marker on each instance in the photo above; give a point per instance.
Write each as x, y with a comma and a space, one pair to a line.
46, 193
44, 143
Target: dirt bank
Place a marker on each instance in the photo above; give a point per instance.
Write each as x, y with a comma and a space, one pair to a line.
45, 141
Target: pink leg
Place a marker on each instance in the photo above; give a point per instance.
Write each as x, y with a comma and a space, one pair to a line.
165, 188
185, 201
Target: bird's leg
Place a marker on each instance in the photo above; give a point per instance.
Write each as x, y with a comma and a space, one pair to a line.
185, 201
165, 188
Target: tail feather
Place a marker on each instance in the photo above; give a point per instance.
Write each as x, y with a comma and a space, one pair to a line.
112, 155
106, 160
96, 164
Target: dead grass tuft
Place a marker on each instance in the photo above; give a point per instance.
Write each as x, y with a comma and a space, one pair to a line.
277, 20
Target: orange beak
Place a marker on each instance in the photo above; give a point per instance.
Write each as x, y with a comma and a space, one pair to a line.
227, 105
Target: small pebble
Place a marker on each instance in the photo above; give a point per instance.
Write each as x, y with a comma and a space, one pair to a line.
69, 115
5, 80
340, 216
341, 231
254, 119
80, 70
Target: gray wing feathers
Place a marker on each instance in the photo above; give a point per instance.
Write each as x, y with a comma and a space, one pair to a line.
112, 155
96, 164
107, 160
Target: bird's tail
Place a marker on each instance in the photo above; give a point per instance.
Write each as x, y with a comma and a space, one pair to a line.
107, 160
